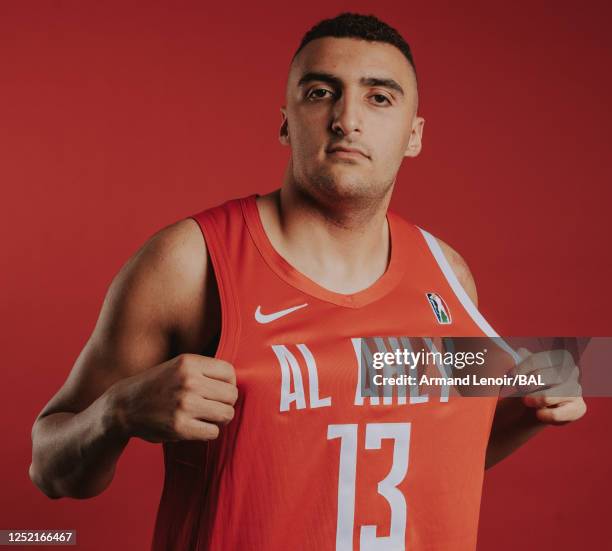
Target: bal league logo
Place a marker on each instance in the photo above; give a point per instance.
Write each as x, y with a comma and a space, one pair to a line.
439, 307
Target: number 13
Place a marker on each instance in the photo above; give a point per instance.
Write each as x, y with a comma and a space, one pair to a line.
375, 433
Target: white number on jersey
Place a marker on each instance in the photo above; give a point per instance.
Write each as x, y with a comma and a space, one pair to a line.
375, 433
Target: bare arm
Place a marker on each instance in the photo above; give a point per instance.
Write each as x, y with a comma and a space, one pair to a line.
514, 423
153, 302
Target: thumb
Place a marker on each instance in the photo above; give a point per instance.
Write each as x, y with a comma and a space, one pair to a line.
523, 353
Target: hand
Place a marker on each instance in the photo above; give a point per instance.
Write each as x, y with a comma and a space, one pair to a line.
185, 398
560, 401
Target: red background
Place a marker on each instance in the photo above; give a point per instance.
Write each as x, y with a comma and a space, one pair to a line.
119, 118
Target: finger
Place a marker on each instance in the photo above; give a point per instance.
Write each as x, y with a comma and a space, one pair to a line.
213, 389
539, 380
206, 410
563, 413
546, 377
543, 400
528, 363
194, 429
523, 353
570, 389
209, 367
218, 369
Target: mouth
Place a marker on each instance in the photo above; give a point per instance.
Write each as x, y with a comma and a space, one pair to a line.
346, 152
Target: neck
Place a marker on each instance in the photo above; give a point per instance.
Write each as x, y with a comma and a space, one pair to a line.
342, 246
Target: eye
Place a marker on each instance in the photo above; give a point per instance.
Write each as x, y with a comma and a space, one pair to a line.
384, 99
312, 93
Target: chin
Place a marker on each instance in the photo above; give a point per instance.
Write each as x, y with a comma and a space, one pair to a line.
338, 185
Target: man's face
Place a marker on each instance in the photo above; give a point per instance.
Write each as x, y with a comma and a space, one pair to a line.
346, 92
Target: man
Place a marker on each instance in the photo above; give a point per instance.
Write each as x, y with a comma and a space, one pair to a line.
269, 444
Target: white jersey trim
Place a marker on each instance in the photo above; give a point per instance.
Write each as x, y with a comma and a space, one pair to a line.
463, 297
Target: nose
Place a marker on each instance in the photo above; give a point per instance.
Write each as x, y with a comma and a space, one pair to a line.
346, 115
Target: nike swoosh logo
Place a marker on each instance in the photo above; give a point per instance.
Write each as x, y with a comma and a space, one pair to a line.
267, 318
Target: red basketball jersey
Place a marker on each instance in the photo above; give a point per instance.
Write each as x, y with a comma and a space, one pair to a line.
308, 463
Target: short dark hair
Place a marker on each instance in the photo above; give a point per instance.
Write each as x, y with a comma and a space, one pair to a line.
355, 25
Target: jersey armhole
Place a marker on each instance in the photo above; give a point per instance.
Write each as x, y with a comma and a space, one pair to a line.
230, 316
436, 251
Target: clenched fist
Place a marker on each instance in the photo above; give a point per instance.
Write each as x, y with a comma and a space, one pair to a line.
560, 401
185, 398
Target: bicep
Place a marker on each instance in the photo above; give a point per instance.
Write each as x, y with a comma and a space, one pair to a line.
138, 316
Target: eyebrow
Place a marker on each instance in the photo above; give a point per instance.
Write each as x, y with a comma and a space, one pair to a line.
364, 81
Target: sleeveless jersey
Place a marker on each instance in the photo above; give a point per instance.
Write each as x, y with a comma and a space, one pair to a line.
308, 463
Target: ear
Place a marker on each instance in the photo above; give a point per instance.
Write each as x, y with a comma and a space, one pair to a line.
415, 140
283, 134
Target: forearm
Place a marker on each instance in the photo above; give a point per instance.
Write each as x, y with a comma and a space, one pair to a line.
75, 455
513, 425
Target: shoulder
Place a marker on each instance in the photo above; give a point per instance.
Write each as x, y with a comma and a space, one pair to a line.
175, 253
461, 269
165, 280
455, 260
179, 245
